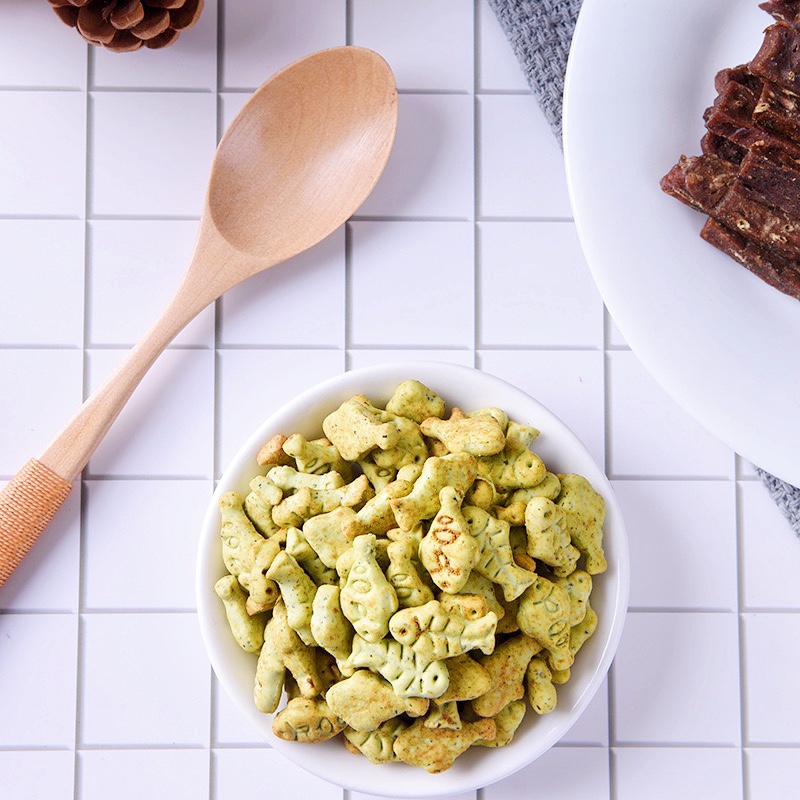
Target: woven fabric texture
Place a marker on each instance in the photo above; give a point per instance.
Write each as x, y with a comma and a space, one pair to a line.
540, 33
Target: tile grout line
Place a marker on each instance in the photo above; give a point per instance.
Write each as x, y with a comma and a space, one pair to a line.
87, 278
347, 299
215, 366
740, 605
476, 196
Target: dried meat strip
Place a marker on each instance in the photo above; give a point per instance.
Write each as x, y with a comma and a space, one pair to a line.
783, 275
778, 110
778, 59
740, 74
701, 182
712, 144
786, 10
758, 223
770, 174
732, 111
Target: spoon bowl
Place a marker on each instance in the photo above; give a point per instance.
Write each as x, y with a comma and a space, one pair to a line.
297, 161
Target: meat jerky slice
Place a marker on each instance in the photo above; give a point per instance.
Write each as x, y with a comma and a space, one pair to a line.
770, 174
700, 181
712, 144
758, 223
732, 110
778, 110
784, 276
786, 10
778, 59
740, 74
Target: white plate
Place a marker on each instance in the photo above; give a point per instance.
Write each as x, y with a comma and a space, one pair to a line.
561, 451
722, 342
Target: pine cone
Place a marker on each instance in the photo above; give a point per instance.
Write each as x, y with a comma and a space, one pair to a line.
123, 25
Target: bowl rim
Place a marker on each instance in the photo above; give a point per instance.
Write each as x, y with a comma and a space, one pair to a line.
472, 770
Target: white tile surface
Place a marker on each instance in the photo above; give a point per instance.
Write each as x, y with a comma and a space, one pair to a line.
47, 390
38, 773
676, 680
152, 152
772, 772
135, 563
38, 701
166, 428
682, 542
534, 287
696, 773
133, 774
42, 282
465, 252
572, 773
429, 43
42, 174
430, 170
412, 284
651, 434
772, 650
136, 265
129, 683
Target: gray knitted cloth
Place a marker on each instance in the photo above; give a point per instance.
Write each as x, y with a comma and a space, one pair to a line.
540, 32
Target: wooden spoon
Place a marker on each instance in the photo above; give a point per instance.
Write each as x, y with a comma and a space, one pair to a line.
297, 161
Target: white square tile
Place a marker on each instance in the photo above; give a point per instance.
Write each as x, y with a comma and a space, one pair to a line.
47, 391
37, 774
188, 63
591, 729
167, 427
231, 727
682, 537
370, 356
146, 680
258, 39
568, 382
534, 287
412, 283
151, 152
42, 174
298, 303
568, 773
234, 770
134, 774
430, 172
37, 693
136, 266
772, 772
521, 164
48, 577
651, 434
498, 68
693, 773
676, 679
772, 652
770, 552
37, 49
154, 538
41, 282
255, 383
427, 43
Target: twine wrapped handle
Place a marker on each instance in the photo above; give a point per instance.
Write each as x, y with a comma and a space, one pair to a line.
27, 505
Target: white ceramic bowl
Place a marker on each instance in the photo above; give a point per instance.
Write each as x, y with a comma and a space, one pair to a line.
561, 451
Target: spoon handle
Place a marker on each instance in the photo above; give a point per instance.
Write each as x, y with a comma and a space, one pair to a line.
31, 499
